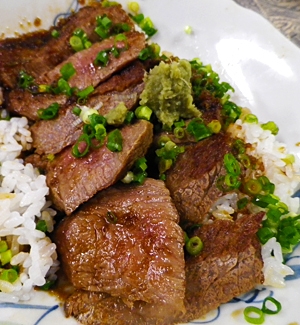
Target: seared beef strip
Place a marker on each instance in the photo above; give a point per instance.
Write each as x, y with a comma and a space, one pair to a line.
22, 102
51, 136
192, 179
125, 242
38, 57
229, 265
73, 181
87, 73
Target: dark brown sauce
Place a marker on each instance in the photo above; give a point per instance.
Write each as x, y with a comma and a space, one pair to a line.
37, 22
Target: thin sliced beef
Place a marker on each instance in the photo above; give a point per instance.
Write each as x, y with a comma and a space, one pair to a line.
73, 181
192, 179
24, 103
54, 135
38, 57
86, 72
125, 242
229, 265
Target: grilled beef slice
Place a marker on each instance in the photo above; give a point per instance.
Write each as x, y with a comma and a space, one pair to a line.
229, 265
192, 179
87, 73
73, 181
37, 57
51, 136
124, 246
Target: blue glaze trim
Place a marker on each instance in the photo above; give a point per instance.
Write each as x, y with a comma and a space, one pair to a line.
38, 307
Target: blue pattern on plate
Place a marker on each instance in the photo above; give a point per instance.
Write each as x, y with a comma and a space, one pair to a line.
48, 309
73, 7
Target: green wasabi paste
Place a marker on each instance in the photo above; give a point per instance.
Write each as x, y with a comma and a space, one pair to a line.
168, 92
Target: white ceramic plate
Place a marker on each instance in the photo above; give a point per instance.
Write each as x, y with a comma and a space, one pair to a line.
246, 50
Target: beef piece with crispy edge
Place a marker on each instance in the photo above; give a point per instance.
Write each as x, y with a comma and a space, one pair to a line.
72, 181
50, 137
135, 255
192, 179
229, 265
87, 73
22, 102
36, 58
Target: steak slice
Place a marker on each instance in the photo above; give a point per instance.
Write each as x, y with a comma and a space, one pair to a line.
73, 181
50, 137
24, 103
86, 72
192, 179
136, 255
54, 135
93, 308
229, 265
37, 58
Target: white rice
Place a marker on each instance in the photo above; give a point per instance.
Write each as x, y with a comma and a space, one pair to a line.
285, 176
22, 202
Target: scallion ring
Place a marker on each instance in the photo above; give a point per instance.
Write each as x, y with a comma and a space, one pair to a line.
82, 146
254, 315
275, 303
194, 246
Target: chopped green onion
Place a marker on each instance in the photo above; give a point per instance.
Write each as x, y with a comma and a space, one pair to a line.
25, 80
264, 234
95, 119
179, 132
76, 111
3, 246
242, 203
138, 18
148, 27
55, 33
44, 89
164, 165
102, 58
41, 225
194, 246
232, 166
82, 146
102, 32
111, 217
84, 93
271, 126
250, 118
129, 177
100, 133
50, 157
48, 113
129, 117
188, 30
5, 257
244, 160
143, 112
76, 43
115, 141
239, 145
264, 200
89, 130
9, 275
267, 186
214, 126
67, 71
134, 7
254, 315
163, 140
63, 87
253, 186
198, 129
115, 52
106, 3
231, 111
